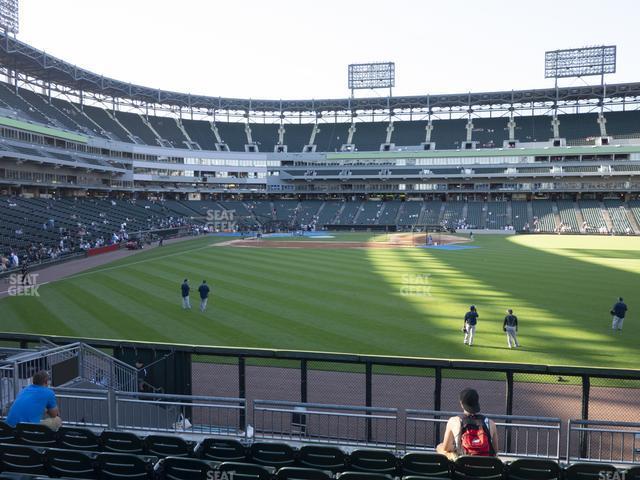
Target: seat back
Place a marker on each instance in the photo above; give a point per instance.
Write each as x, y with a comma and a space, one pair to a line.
122, 466
121, 442
245, 471
431, 465
71, 464
588, 471
180, 468
363, 476
221, 450
7, 433
479, 468
78, 439
167, 446
632, 473
324, 458
534, 469
373, 461
297, 473
36, 435
272, 454
22, 459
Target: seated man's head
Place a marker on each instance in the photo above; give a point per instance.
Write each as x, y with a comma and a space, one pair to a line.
40, 378
470, 401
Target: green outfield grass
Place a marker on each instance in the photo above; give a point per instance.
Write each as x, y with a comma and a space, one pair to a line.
405, 301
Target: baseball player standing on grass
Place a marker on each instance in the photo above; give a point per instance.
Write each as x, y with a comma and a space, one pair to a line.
618, 311
510, 327
203, 289
185, 289
470, 321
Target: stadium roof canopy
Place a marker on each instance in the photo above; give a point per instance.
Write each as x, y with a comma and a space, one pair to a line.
20, 57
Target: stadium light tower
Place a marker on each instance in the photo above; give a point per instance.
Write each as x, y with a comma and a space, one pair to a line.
9, 19
580, 62
372, 75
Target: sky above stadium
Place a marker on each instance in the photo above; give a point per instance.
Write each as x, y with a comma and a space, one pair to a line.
301, 48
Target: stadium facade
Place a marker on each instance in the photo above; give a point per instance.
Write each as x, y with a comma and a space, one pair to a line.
68, 132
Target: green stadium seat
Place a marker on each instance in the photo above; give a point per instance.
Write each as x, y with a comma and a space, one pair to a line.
167, 446
322, 457
22, 459
36, 435
78, 439
272, 454
121, 442
425, 465
221, 450
246, 471
534, 469
297, 473
477, 468
7, 433
373, 461
179, 468
363, 476
71, 464
588, 471
120, 466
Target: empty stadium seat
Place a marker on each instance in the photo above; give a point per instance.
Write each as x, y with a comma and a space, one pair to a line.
22, 459
36, 434
534, 469
425, 465
221, 450
373, 461
477, 468
167, 446
71, 464
78, 439
246, 471
588, 471
297, 473
121, 442
179, 468
322, 457
632, 473
114, 466
7, 433
363, 476
272, 454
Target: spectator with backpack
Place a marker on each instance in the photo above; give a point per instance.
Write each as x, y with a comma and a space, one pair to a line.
470, 433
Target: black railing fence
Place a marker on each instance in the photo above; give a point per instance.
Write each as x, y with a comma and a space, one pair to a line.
375, 383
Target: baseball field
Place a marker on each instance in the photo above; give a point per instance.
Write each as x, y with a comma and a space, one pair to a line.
346, 294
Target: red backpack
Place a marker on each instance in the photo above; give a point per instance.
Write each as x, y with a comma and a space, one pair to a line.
475, 436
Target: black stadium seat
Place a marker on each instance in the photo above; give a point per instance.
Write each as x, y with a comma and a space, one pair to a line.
373, 461
22, 459
425, 465
121, 442
7, 433
534, 469
78, 439
221, 450
167, 446
71, 464
120, 466
296, 473
321, 457
179, 468
246, 471
363, 476
36, 435
588, 471
477, 468
632, 473
272, 454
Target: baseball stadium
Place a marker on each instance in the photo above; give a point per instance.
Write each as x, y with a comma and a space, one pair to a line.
215, 287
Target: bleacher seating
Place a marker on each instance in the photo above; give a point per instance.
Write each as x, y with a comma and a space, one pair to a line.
592, 213
328, 213
108, 124
618, 214
133, 122
567, 212
348, 214
265, 135
369, 135
201, 133
543, 216
474, 215
410, 213
297, 136
369, 213
233, 135
431, 213
168, 129
285, 210
87, 126
453, 217
331, 136
520, 215
496, 215
308, 211
164, 457
390, 213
